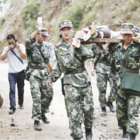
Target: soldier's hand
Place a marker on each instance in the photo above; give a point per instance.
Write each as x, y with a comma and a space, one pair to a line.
137, 39
48, 83
75, 43
105, 45
92, 73
92, 28
73, 47
50, 68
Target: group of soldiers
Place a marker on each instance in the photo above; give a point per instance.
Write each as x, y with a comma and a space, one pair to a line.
119, 64
113, 64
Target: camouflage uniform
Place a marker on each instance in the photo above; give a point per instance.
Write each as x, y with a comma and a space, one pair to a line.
103, 73
77, 86
37, 69
127, 102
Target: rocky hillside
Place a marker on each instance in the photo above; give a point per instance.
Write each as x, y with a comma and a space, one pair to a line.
22, 15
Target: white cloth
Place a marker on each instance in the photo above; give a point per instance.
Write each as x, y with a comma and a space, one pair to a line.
15, 65
115, 34
84, 34
125, 47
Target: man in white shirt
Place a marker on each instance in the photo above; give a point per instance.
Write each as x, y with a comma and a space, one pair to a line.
15, 54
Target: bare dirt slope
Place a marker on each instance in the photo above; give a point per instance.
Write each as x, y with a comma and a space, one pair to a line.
105, 128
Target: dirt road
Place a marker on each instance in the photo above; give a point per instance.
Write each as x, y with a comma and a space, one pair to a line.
105, 128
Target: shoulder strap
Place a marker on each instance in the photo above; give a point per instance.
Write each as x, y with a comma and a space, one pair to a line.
78, 57
41, 53
120, 57
17, 56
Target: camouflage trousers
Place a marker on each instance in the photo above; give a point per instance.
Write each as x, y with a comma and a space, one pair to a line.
127, 111
41, 95
79, 107
102, 80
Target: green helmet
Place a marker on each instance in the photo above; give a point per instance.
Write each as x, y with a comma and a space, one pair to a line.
65, 23
43, 31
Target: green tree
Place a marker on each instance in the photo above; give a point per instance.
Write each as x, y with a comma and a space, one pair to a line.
29, 13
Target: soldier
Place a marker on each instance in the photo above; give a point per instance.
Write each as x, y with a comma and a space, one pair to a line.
37, 74
126, 60
103, 73
76, 82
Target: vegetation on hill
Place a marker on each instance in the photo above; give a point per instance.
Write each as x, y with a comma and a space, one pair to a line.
81, 12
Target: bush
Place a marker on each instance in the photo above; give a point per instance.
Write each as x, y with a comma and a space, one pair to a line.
88, 19
29, 14
80, 13
98, 5
74, 13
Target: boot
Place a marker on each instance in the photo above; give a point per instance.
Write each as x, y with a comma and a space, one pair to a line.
132, 136
103, 111
37, 126
44, 119
111, 107
125, 135
89, 134
76, 139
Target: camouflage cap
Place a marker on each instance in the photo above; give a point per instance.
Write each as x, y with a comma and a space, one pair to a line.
127, 28
43, 31
65, 23
136, 29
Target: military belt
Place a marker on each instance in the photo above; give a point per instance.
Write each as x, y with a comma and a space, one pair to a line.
130, 70
79, 70
38, 67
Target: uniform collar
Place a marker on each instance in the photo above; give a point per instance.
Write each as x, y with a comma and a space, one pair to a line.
39, 44
131, 44
65, 42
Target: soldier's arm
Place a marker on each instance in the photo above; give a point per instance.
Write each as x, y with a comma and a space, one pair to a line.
55, 74
90, 66
105, 54
31, 39
50, 67
86, 52
52, 57
34, 34
29, 42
